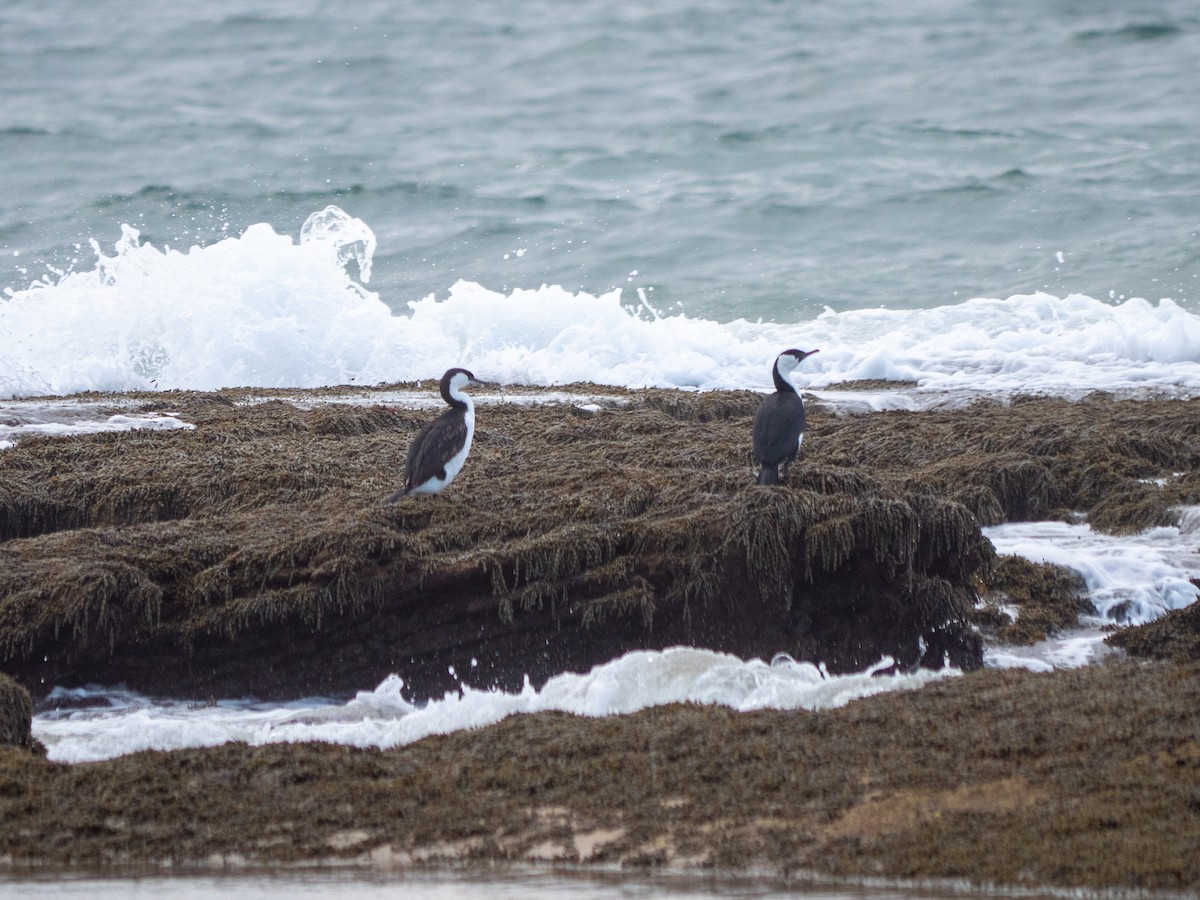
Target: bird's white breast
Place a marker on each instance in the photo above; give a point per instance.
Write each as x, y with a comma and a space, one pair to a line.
455, 463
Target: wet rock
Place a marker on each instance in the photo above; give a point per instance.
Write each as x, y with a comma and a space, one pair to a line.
1080, 778
1025, 602
1174, 636
16, 716
254, 554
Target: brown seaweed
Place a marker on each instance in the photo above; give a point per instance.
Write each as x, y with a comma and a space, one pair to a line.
1080, 778
232, 557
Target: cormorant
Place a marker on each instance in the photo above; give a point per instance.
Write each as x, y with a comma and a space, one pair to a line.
779, 422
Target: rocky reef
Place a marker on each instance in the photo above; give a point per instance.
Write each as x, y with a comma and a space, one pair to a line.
1175, 636
1079, 778
16, 716
254, 555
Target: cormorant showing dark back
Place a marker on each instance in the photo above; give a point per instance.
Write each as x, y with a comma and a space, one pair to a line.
779, 422
440, 448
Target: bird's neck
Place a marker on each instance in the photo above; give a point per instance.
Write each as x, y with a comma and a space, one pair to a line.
455, 398
468, 410
781, 384
458, 400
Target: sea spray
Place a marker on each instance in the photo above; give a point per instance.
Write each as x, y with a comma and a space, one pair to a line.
96, 724
264, 310
1130, 580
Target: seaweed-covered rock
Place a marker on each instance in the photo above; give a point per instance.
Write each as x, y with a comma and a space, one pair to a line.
16, 716
254, 554
1081, 778
1026, 602
1174, 636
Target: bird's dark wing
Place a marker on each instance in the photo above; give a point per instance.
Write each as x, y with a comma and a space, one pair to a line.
433, 446
777, 428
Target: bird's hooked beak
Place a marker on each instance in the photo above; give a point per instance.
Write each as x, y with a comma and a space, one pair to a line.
798, 355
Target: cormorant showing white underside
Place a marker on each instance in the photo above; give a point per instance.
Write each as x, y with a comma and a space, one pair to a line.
440, 448
779, 422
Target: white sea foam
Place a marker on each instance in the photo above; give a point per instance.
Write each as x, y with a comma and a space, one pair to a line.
265, 310
103, 724
61, 419
1129, 580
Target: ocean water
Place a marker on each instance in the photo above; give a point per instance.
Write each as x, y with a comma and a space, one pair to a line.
529, 884
977, 199
270, 309
730, 163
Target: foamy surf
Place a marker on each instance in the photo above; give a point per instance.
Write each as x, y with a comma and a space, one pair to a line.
63, 419
1129, 580
264, 310
100, 724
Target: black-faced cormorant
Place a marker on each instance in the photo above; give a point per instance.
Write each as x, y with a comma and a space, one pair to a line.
779, 422
439, 450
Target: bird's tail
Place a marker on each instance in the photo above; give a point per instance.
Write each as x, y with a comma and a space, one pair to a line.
768, 474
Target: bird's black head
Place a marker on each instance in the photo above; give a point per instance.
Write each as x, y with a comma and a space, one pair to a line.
450, 373
785, 364
454, 381
789, 359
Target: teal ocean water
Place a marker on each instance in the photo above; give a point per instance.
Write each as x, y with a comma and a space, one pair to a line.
741, 161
